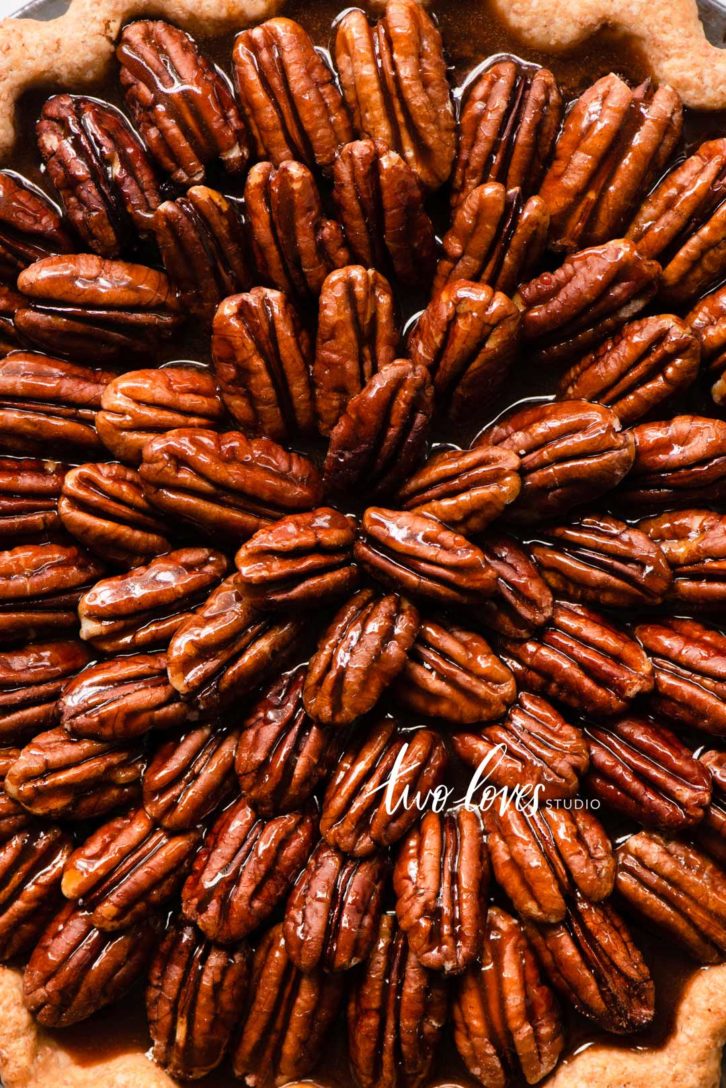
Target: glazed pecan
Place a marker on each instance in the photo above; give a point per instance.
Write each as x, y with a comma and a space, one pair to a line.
60, 777
138, 405
227, 484
581, 660
362, 651
193, 998
121, 699
495, 238
202, 245
99, 167
94, 309
647, 362
467, 338
381, 434
381, 206
31, 864
678, 461
30, 226
289, 96
262, 360
707, 321
13, 817
226, 648
396, 1013
294, 245
75, 969
600, 560
418, 554
591, 295
533, 750
10, 302
143, 609
507, 129
591, 960
689, 664
301, 560
682, 224
694, 544
502, 1031
711, 832
245, 868
453, 674
363, 808
190, 777
614, 143
31, 681
331, 917
441, 879
541, 856
676, 889
182, 104
282, 754
393, 77
40, 586
522, 601
285, 1023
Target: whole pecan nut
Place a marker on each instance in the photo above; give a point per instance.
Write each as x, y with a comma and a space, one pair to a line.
31, 226
678, 462
694, 544
522, 601
40, 586
29, 493
689, 665
31, 865
190, 777
31, 682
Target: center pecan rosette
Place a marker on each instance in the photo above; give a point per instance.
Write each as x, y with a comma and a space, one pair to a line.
267, 611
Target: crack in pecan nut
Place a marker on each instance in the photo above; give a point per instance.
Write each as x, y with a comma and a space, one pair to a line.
452, 673
711, 832
591, 959
495, 237
13, 817
647, 362
707, 321
533, 749
441, 880
99, 166
138, 405
522, 602
244, 870
127, 868
31, 226
381, 434
289, 95
121, 699
282, 754
394, 80
332, 914
694, 544
678, 461
60, 777
294, 245
467, 338
262, 359
570, 452
541, 856
227, 484
675, 888
202, 245
356, 337
142, 609
600, 560
504, 1030
193, 997
362, 651
614, 143
416, 553
40, 586
396, 1013
182, 104
380, 204
682, 224
593, 293
689, 663
190, 777
509, 121
303, 560
75, 969
31, 681
285, 1023
226, 648
31, 864
95, 309
362, 809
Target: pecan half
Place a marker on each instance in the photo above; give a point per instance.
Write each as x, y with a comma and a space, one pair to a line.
31, 682
13, 817
359, 655
31, 864
10, 302
711, 832
245, 868
506, 1020
182, 104
190, 777
31, 226
707, 321
678, 461
522, 601
441, 879
40, 586
689, 664
694, 544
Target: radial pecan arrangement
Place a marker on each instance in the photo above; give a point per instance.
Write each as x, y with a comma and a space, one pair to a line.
340, 684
